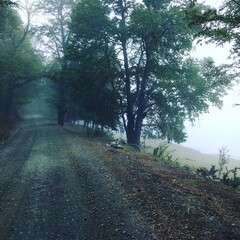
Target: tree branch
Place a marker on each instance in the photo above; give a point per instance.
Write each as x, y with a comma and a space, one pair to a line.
28, 79
236, 2
7, 3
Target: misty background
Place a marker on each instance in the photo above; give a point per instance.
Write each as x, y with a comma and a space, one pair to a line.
219, 127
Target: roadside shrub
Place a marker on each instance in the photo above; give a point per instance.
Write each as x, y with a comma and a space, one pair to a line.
224, 158
230, 177
208, 173
162, 152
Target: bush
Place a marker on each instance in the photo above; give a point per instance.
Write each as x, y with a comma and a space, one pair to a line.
208, 173
234, 180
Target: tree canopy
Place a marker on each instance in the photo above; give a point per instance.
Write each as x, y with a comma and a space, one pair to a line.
19, 62
121, 63
6, 3
54, 36
218, 25
146, 46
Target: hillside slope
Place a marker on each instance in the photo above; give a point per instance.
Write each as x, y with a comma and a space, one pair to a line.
176, 203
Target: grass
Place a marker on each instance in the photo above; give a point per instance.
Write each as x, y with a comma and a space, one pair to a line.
88, 132
129, 148
186, 157
191, 182
190, 157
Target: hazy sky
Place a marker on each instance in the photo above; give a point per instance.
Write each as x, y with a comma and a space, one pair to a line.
219, 127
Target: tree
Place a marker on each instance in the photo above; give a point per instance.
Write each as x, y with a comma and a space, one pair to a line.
18, 60
217, 25
157, 86
55, 36
94, 64
6, 3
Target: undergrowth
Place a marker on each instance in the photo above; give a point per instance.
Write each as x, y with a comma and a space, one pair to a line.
222, 173
162, 153
90, 133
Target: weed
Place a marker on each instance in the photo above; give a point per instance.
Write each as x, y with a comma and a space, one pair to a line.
208, 173
217, 207
192, 182
233, 181
162, 152
224, 158
131, 148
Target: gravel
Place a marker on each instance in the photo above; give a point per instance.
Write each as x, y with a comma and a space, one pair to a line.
53, 186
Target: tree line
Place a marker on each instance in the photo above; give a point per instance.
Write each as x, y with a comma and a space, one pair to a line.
126, 63
19, 64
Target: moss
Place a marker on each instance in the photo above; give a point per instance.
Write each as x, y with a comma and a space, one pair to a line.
130, 148
216, 206
192, 181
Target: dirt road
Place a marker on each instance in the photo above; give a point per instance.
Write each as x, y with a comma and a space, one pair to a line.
53, 187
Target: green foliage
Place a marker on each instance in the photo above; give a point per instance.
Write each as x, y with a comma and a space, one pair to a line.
208, 173
162, 152
131, 148
217, 25
103, 135
228, 177
93, 64
19, 63
134, 56
6, 3
224, 159
231, 177
192, 182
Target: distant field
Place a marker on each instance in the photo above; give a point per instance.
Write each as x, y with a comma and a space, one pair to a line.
189, 156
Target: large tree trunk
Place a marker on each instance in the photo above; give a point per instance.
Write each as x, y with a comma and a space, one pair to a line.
133, 121
134, 130
134, 137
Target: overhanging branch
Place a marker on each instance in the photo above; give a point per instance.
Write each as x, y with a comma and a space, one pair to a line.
27, 79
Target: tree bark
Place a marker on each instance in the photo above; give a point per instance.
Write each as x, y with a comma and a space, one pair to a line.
134, 130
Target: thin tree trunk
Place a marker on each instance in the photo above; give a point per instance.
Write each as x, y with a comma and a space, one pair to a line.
9, 108
61, 116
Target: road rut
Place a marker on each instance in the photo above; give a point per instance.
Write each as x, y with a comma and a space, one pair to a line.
52, 186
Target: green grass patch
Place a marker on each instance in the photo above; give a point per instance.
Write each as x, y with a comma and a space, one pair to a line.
191, 182
130, 148
88, 132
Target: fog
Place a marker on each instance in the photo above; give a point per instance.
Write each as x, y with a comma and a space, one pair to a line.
220, 127
40, 104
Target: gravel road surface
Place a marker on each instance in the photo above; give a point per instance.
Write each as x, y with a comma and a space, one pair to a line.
53, 186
